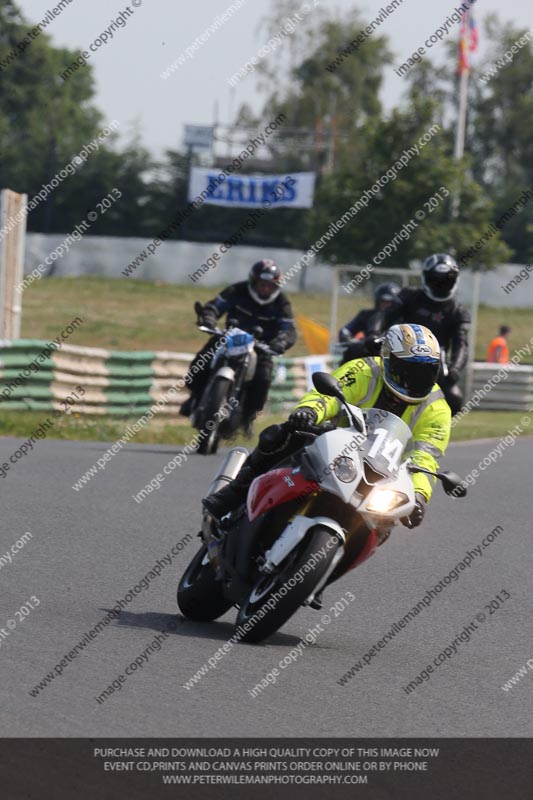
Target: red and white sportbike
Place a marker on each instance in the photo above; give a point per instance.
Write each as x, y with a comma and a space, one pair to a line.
320, 512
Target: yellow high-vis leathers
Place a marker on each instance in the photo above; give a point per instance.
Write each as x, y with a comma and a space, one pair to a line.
429, 421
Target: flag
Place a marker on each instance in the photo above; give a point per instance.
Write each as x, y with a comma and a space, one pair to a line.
316, 336
473, 31
468, 39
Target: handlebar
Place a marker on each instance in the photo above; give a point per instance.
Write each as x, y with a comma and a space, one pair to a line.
266, 349
314, 430
212, 331
258, 345
371, 344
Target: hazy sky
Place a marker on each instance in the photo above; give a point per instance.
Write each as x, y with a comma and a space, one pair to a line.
128, 68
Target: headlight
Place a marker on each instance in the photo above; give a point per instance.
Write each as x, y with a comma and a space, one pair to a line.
344, 469
385, 500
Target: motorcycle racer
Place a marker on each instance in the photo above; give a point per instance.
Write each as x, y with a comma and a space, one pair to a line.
435, 306
256, 303
401, 380
369, 322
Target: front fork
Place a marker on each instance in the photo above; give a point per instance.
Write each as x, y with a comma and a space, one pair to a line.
325, 578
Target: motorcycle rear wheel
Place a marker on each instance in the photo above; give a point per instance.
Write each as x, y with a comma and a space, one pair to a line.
200, 596
273, 619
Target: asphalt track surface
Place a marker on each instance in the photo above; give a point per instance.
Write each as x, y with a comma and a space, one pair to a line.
90, 547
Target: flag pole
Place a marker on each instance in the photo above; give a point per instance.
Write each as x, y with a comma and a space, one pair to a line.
461, 121
460, 133
466, 43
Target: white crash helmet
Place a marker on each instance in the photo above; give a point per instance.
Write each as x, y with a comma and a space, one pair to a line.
410, 362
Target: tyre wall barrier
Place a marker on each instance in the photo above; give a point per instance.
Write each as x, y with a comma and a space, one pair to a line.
129, 383
119, 383
501, 387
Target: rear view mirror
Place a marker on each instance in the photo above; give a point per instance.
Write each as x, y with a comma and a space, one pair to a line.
452, 484
328, 385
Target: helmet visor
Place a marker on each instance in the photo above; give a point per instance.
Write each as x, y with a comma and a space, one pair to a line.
441, 283
265, 289
411, 378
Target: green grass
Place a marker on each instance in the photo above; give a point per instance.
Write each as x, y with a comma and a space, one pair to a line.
76, 427
136, 315
476, 425
133, 315
489, 321
490, 424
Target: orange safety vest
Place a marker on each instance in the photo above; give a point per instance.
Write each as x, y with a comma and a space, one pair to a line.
499, 342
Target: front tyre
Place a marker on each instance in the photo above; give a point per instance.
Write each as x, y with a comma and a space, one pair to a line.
317, 549
200, 596
209, 431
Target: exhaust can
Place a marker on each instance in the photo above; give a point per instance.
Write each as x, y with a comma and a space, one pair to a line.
229, 468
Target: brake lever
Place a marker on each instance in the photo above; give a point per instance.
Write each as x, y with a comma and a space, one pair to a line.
314, 430
266, 349
212, 331
326, 427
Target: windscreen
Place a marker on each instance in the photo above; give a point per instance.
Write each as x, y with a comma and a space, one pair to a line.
239, 342
387, 439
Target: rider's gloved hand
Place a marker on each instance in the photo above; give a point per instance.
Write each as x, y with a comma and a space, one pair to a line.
207, 318
302, 418
453, 374
372, 345
417, 514
345, 335
279, 344
208, 321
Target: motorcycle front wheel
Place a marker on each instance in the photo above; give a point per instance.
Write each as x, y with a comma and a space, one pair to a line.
209, 429
258, 621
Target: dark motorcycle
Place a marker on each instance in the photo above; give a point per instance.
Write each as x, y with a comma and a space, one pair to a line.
218, 412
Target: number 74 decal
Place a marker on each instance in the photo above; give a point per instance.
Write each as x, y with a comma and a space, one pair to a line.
392, 450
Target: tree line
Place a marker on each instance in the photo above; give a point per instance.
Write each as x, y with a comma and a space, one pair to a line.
335, 125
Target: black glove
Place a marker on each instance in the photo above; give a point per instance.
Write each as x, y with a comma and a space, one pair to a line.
372, 345
345, 336
453, 375
208, 319
417, 514
279, 344
302, 418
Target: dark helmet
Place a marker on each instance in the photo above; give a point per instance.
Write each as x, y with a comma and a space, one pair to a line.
440, 275
264, 281
387, 293
410, 362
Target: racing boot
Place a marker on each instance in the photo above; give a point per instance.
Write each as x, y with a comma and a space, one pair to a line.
187, 407
248, 425
231, 496
272, 443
